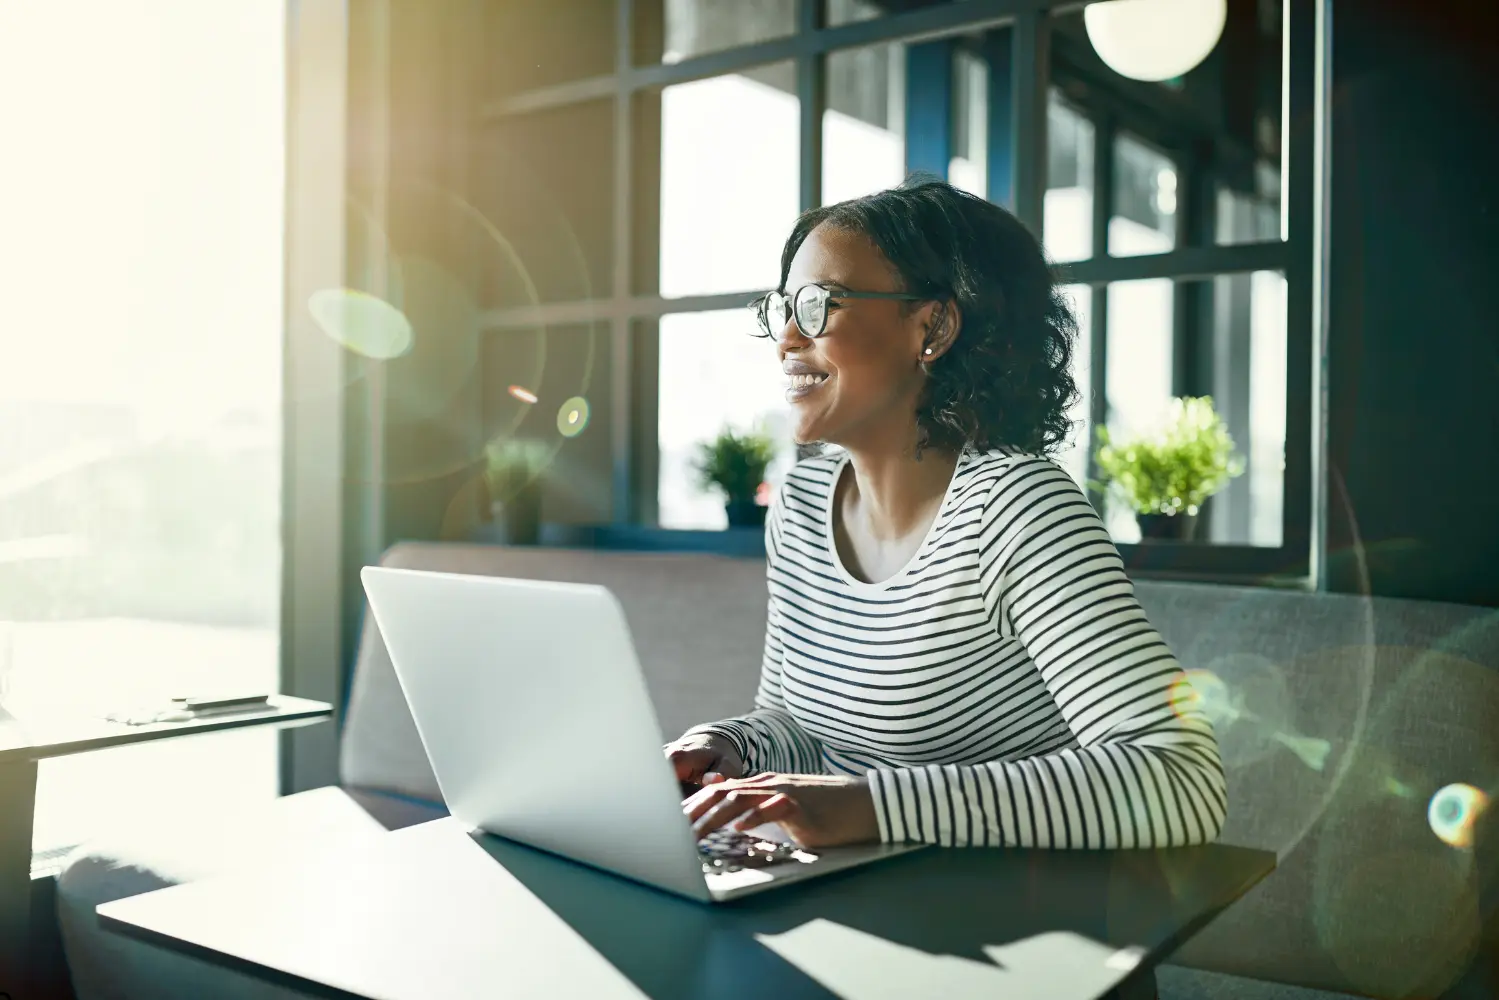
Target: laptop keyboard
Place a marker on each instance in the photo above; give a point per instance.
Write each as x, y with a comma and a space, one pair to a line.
726, 850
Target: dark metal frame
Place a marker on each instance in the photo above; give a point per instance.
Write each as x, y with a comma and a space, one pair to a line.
1018, 105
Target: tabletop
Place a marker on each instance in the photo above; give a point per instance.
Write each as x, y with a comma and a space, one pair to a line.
27, 737
436, 912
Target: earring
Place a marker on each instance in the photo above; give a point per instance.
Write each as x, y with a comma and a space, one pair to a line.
929, 350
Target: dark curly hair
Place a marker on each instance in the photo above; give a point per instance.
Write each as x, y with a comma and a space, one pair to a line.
1006, 380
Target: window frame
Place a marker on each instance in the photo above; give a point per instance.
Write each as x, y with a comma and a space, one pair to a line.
319, 616
1021, 76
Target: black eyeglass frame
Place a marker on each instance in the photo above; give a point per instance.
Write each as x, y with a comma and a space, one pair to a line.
830, 297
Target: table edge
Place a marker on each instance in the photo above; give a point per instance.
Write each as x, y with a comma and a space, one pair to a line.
303, 714
223, 959
1152, 960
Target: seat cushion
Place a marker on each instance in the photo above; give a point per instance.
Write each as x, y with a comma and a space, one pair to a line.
1342, 718
156, 854
697, 621
1174, 982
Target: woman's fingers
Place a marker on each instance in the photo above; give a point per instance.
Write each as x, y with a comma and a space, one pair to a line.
778, 808
708, 797
730, 807
713, 778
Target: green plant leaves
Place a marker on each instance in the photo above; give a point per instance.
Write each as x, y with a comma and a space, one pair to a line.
1177, 467
511, 465
735, 463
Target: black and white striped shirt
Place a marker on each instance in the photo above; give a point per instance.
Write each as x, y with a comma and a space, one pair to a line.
1004, 688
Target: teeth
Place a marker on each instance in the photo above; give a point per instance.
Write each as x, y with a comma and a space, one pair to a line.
806, 381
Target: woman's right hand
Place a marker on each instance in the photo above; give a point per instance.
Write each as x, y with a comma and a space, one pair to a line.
702, 758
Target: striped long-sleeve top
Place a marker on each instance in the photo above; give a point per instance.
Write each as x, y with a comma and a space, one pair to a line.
1004, 688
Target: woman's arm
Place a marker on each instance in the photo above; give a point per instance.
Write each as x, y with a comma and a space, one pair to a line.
1146, 772
768, 738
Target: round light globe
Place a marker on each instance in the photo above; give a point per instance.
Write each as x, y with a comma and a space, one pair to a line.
1154, 39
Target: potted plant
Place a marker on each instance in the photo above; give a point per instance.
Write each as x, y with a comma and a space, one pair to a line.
1166, 475
512, 477
735, 464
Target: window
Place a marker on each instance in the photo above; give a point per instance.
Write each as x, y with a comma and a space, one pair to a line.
1241, 351
1162, 204
140, 469
1069, 183
697, 27
713, 375
1249, 311
849, 11
1145, 195
735, 133
864, 126
1138, 379
545, 190
1247, 217
969, 166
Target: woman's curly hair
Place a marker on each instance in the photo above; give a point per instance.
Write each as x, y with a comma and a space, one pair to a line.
1006, 380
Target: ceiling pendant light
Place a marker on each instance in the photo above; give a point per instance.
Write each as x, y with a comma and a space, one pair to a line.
1154, 39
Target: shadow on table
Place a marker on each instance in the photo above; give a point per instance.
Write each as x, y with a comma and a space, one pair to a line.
938, 922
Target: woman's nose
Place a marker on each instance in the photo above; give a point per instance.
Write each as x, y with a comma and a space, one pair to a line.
790, 336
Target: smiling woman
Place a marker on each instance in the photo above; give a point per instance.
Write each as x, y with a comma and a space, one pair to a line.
933, 260
953, 652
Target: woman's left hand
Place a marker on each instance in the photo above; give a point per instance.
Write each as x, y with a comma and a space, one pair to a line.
817, 810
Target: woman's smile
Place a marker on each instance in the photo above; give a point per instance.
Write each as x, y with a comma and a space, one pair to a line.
803, 380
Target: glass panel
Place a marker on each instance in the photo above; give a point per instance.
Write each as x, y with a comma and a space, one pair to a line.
1249, 389
1248, 171
543, 206
1245, 217
848, 11
713, 375
543, 44
1242, 344
1144, 219
1069, 182
969, 166
1138, 379
140, 553
1073, 456
864, 127
695, 27
727, 134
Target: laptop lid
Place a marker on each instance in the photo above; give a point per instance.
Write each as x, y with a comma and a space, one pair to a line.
532, 708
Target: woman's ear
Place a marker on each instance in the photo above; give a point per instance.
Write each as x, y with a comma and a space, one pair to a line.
946, 321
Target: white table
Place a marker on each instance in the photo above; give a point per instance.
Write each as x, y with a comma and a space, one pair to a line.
26, 740
434, 912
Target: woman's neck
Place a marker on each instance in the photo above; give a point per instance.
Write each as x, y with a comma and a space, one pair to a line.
893, 492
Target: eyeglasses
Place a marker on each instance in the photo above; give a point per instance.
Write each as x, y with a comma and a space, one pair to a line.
809, 306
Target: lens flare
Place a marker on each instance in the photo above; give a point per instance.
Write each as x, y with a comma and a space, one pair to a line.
1398, 788
572, 417
363, 323
1202, 691
1454, 812
1312, 751
523, 394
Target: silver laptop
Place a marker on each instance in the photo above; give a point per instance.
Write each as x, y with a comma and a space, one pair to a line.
529, 700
